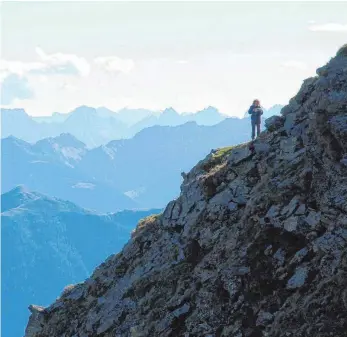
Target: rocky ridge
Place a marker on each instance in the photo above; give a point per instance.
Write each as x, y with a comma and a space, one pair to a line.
255, 245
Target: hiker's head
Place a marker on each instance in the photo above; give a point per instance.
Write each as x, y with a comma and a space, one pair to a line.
256, 102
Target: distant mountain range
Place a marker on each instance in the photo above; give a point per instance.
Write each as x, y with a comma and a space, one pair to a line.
48, 243
98, 126
49, 166
144, 171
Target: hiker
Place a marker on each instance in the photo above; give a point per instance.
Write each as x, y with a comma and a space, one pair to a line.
255, 111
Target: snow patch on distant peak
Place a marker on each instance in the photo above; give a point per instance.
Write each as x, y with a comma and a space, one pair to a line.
110, 152
133, 194
39, 162
89, 186
72, 153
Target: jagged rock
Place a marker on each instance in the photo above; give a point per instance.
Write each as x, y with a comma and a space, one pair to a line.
255, 245
36, 321
291, 207
263, 148
274, 123
299, 256
298, 279
313, 219
291, 223
273, 212
280, 256
264, 318
301, 210
232, 206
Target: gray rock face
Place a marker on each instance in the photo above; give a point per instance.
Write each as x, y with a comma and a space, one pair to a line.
255, 245
274, 123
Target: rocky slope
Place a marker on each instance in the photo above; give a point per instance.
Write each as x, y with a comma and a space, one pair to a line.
254, 246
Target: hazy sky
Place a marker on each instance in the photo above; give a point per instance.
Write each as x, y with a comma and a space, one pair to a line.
56, 56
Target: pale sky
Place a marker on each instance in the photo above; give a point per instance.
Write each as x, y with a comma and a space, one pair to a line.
56, 56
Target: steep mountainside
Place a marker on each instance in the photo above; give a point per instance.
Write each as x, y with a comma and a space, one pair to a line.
256, 244
48, 243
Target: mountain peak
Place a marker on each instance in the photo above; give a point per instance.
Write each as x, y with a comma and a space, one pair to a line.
170, 111
63, 140
15, 141
20, 196
67, 140
84, 111
17, 111
65, 147
207, 116
19, 190
16, 197
276, 106
83, 108
209, 110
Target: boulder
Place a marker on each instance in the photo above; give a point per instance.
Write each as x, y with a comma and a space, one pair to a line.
274, 123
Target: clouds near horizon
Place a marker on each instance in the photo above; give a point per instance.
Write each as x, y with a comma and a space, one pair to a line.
60, 63
114, 64
15, 87
14, 75
155, 55
57, 63
328, 27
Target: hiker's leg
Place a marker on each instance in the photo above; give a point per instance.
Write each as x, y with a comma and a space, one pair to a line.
253, 130
258, 129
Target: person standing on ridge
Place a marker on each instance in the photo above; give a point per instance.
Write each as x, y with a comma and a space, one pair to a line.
255, 111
